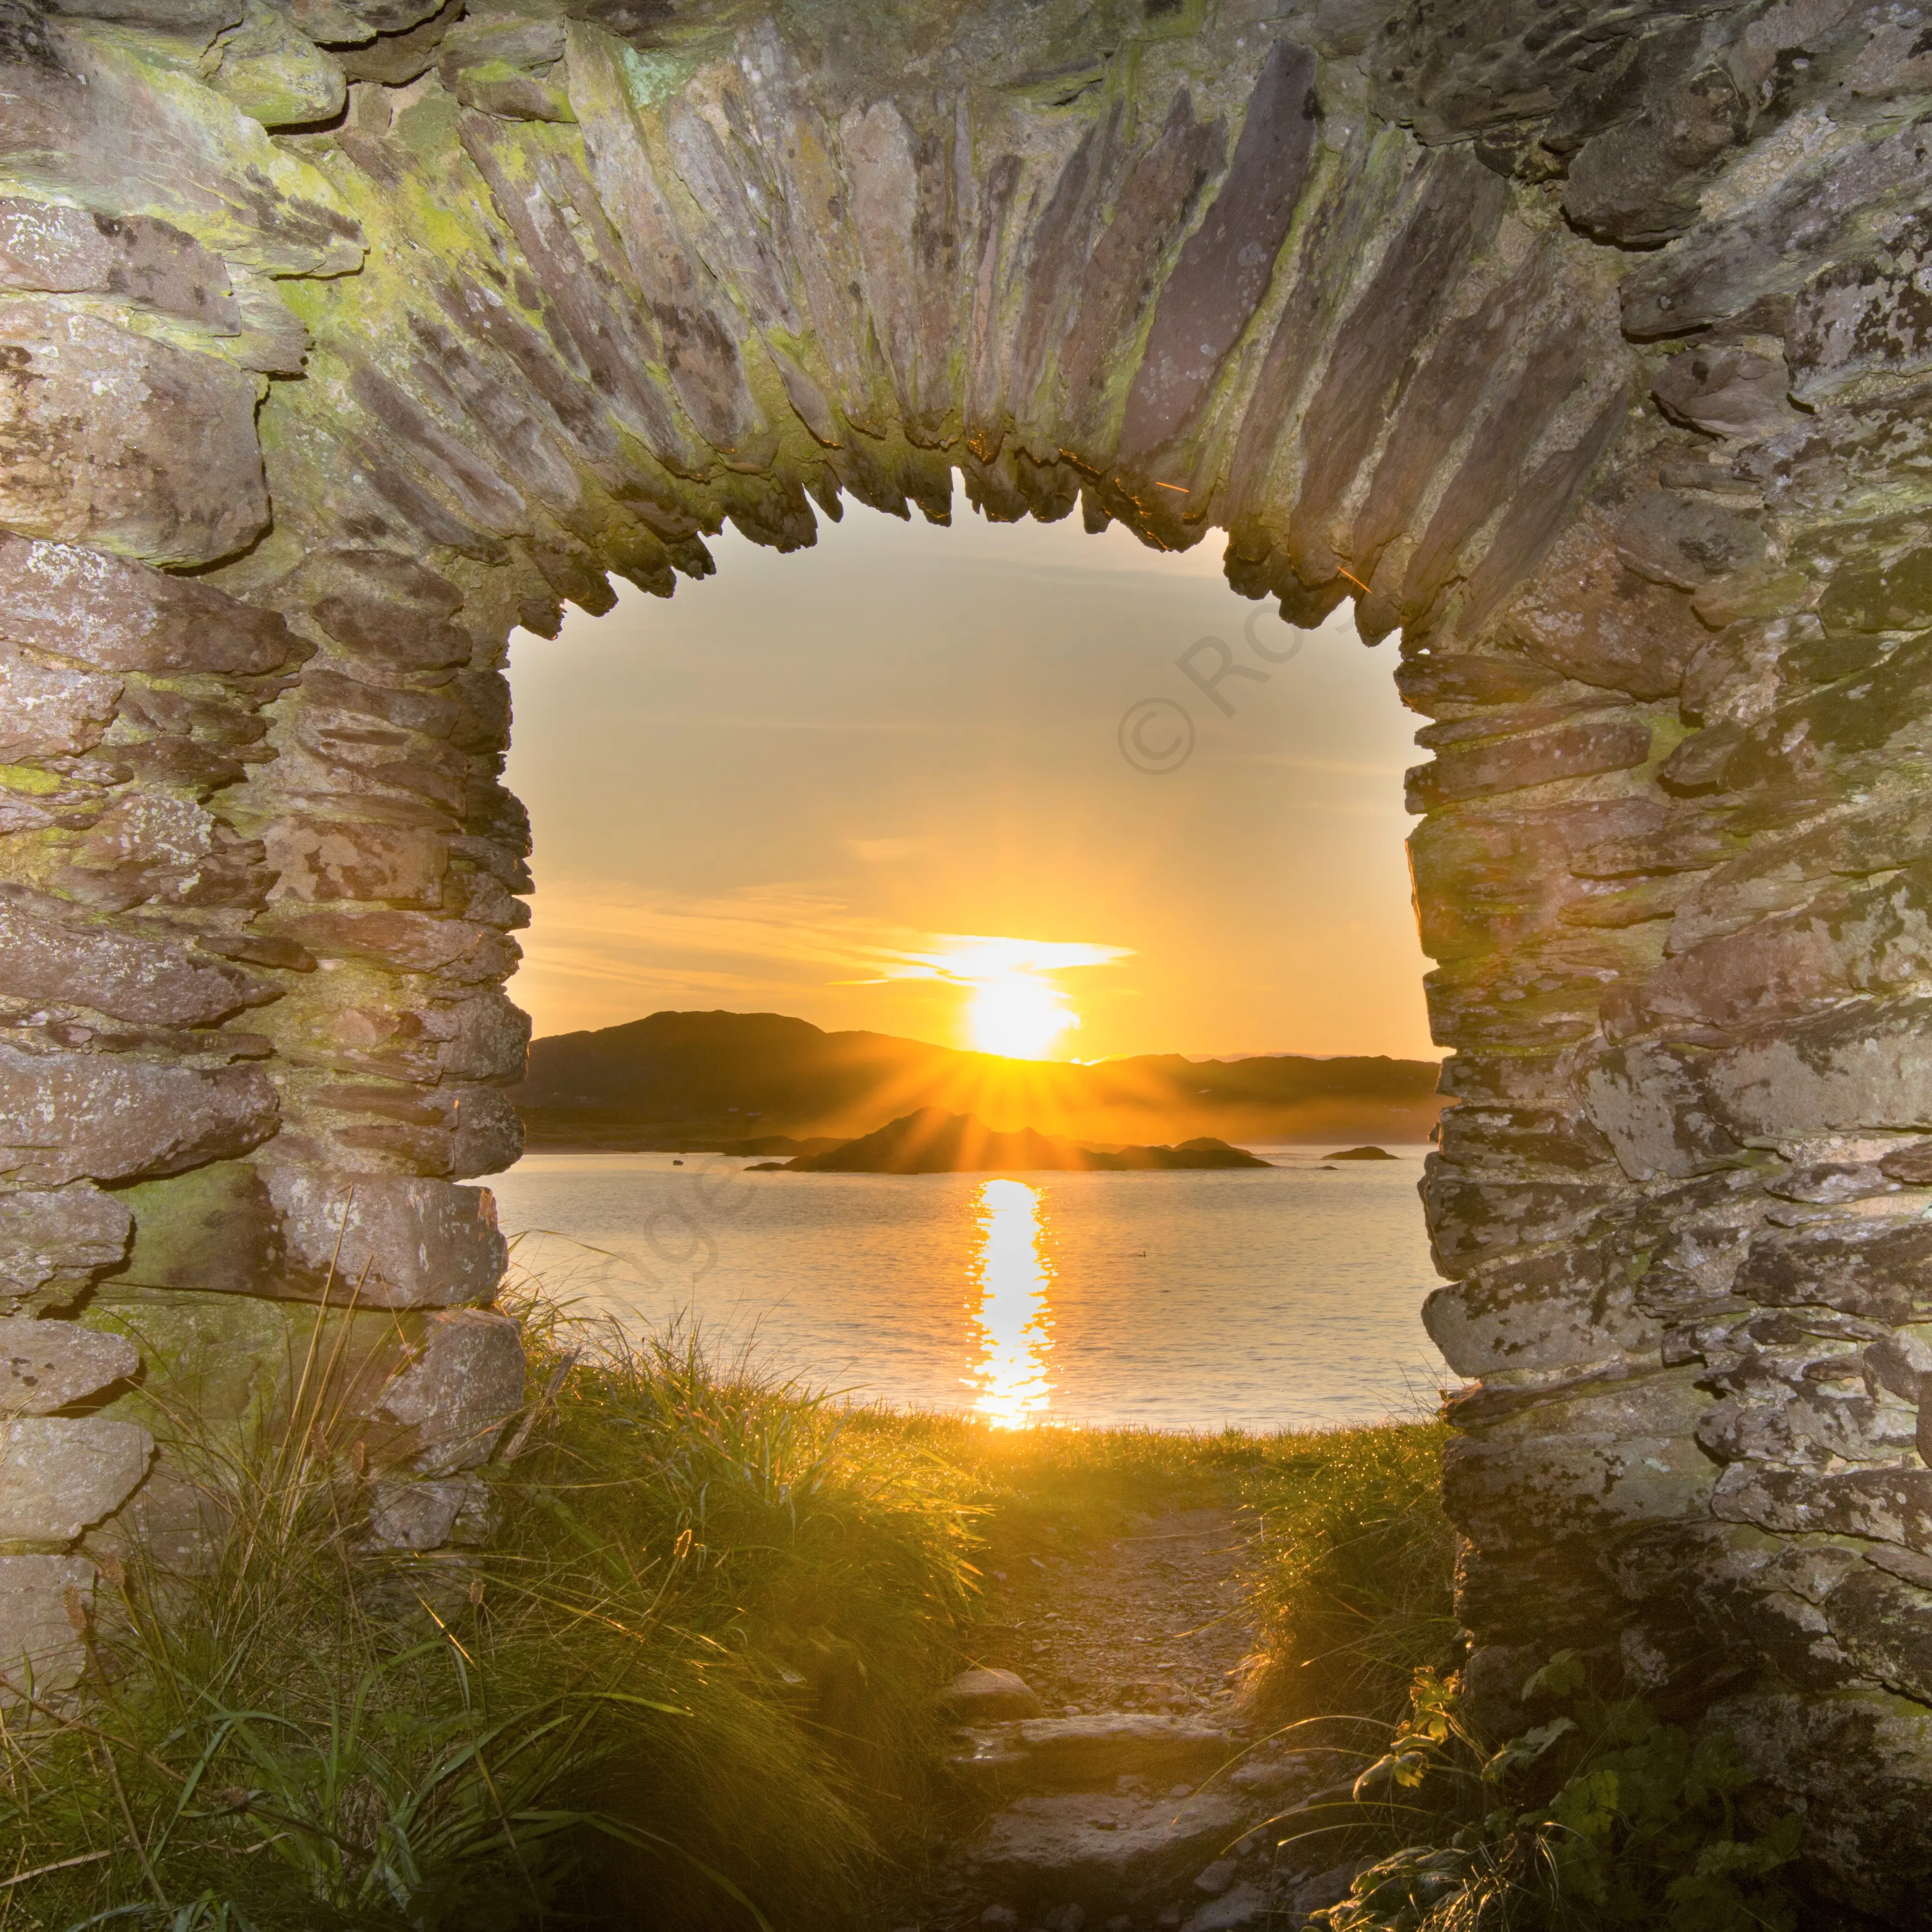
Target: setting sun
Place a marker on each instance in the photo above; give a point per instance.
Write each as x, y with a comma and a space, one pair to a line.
1018, 1016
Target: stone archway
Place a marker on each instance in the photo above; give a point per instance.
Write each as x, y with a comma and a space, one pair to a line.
1588, 347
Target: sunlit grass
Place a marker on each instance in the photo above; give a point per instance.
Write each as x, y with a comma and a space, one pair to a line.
689, 1685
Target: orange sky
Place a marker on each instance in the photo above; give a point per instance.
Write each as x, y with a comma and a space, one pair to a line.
825, 784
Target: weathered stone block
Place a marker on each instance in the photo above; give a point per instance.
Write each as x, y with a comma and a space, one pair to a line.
1532, 1490
414, 942
1223, 268
124, 440
119, 616
387, 1241
129, 978
274, 74
45, 1602
449, 1398
45, 247
489, 1039
50, 712
1885, 1505
389, 607
65, 1116
1725, 391
45, 1365
1555, 1311
1592, 618
427, 1515
54, 1242
1865, 321
59, 1474
1880, 1268
1860, 1066
1472, 1220
486, 1132
1637, 184
1679, 540
1649, 1103
1513, 764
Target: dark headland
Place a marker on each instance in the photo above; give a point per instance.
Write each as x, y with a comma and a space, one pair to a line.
763, 1084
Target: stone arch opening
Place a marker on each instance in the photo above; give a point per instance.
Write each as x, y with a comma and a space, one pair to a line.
1587, 349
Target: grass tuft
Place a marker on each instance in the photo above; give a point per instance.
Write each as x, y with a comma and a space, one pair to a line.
689, 1683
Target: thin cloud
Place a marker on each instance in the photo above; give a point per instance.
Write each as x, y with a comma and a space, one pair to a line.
800, 934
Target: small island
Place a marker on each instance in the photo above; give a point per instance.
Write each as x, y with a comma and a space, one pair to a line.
1362, 1154
931, 1140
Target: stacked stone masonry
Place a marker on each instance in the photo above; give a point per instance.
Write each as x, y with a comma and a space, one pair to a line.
1587, 346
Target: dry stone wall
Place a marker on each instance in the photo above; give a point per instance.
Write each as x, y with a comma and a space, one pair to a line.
1589, 347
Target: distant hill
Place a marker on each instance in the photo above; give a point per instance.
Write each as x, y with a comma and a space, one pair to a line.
932, 1141
710, 1079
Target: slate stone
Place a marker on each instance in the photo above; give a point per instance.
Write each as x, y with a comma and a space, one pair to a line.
65, 1116
412, 941
1865, 321
60, 1473
1453, 218
118, 616
1589, 616
275, 74
1538, 508
1223, 267
1503, 764
127, 977
489, 1040
44, 1366
1157, 201
54, 1242
1472, 1220
1891, 1505
386, 1241
1104, 1848
172, 473
1876, 1269
341, 857
1676, 539
420, 1515
1770, 244
448, 1400
45, 1604
1884, 1624
1520, 410
1651, 1102
1445, 397
1545, 1488
1728, 392
1855, 1068
206, 18
389, 606
486, 1132
49, 712
977, 1695
1557, 1311
1638, 184
45, 247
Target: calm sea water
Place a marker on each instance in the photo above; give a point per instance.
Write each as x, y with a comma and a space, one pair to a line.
1264, 1298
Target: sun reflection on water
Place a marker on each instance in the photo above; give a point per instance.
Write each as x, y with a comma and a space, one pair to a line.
1013, 1317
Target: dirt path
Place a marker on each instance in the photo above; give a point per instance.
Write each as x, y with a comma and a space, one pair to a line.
1121, 1786
1153, 1620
